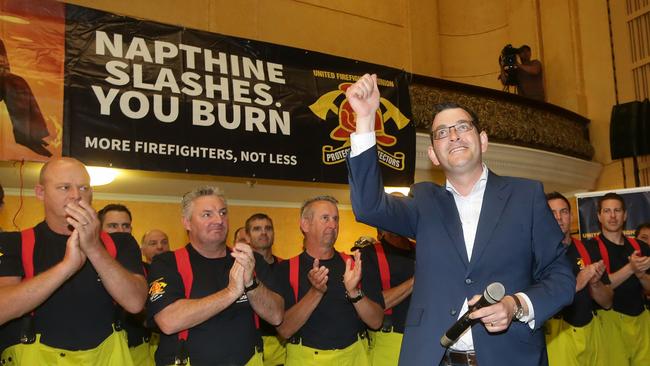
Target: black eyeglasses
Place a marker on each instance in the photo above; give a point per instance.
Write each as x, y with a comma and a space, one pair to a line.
461, 126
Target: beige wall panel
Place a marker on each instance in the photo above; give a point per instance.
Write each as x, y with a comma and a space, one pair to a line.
523, 24
425, 43
188, 13
336, 33
598, 74
385, 11
472, 34
623, 52
472, 56
559, 61
467, 17
235, 18
371, 36
611, 177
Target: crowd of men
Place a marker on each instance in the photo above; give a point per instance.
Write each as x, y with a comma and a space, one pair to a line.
75, 291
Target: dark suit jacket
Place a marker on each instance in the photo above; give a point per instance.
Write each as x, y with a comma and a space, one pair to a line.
518, 243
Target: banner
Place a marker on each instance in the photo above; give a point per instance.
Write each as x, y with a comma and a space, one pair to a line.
637, 204
151, 96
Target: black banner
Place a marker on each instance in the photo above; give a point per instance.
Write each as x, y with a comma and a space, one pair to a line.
152, 96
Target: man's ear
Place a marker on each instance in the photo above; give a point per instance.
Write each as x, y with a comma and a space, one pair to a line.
484, 141
186, 223
39, 190
304, 225
432, 156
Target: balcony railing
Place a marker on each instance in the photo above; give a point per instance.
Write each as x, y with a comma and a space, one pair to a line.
507, 118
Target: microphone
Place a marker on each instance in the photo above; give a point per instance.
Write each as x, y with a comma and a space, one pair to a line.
492, 294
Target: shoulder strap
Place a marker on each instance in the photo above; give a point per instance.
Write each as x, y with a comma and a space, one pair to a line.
294, 269
184, 268
384, 271
345, 257
583, 251
635, 244
28, 240
603, 252
108, 243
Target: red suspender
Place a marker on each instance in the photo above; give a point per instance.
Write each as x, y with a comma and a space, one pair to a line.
603, 252
586, 259
345, 257
28, 241
294, 269
635, 244
185, 270
294, 263
384, 271
605, 255
108, 243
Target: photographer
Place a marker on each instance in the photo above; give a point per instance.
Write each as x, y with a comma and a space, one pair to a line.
529, 75
521, 72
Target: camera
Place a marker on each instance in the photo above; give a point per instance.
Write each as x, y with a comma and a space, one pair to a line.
508, 64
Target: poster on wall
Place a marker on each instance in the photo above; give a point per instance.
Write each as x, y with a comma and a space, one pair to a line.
146, 95
32, 37
637, 204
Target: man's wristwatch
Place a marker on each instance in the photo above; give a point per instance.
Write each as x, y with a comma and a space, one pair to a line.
356, 298
252, 286
519, 310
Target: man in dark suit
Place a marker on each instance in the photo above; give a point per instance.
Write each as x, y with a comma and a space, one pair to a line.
477, 229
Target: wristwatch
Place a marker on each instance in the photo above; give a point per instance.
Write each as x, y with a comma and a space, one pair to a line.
252, 286
519, 310
356, 298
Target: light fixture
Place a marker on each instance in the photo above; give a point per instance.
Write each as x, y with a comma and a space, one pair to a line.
100, 176
403, 190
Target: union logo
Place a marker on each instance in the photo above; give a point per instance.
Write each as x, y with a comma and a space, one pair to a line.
157, 289
347, 125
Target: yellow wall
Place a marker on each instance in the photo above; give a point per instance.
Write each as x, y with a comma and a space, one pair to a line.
370, 30
166, 216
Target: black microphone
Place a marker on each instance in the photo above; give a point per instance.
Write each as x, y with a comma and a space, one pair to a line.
492, 294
